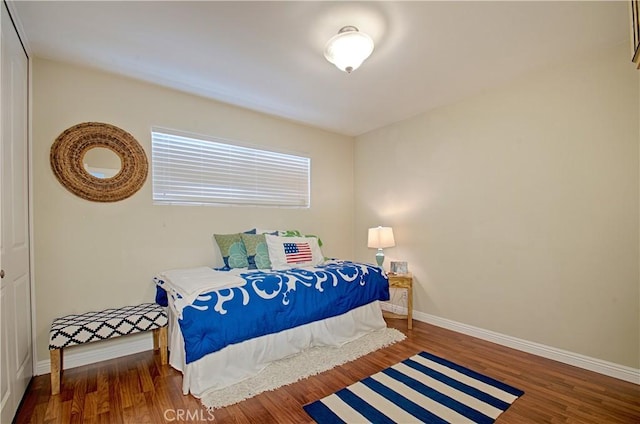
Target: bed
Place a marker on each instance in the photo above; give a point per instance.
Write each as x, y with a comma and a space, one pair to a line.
228, 324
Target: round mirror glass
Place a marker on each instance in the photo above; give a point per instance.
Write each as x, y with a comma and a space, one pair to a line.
102, 162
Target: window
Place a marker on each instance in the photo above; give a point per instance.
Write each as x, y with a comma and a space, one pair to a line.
190, 169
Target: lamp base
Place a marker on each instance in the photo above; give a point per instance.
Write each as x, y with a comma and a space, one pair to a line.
380, 257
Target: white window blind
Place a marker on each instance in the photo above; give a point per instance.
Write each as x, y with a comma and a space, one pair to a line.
188, 170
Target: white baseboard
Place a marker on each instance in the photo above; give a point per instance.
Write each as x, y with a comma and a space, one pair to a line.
600, 366
122, 346
77, 356
396, 309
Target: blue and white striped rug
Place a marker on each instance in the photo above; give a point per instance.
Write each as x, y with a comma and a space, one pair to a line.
423, 388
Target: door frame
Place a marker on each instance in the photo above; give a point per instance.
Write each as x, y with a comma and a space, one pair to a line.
13, 14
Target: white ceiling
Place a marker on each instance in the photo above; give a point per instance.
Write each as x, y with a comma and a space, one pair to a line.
268, 56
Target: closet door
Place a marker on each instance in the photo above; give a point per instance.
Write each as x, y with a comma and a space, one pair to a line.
16, 353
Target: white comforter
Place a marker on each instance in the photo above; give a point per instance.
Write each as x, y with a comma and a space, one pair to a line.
190, 283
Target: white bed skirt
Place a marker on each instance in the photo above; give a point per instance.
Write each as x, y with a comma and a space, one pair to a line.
240, 361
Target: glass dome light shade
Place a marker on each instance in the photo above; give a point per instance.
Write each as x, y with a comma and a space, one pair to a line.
348, 49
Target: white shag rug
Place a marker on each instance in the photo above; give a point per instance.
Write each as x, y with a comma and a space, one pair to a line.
305, 364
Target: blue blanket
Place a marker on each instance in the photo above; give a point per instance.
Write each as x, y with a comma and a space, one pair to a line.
273, 301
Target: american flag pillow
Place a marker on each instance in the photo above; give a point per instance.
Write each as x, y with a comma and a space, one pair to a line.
296, 253
292, 252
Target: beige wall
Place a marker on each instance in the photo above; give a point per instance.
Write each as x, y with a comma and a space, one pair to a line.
517, 209
92, 256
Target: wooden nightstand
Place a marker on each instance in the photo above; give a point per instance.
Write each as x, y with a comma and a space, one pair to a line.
402, 281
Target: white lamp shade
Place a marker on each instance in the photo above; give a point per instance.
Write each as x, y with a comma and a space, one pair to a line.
348, 49
381, 237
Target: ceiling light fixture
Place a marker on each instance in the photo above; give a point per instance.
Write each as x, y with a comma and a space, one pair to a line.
348, 49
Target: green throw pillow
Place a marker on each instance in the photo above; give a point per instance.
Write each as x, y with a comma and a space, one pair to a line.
234, 253
257, 251
297, 233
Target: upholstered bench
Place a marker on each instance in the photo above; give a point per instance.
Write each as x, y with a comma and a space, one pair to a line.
74, 330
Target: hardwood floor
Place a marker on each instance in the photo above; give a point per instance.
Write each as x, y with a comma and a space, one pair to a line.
137, 389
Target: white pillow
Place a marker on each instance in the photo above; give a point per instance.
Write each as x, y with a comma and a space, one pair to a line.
293, 252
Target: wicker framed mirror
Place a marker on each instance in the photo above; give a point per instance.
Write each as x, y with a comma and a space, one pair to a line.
69, 151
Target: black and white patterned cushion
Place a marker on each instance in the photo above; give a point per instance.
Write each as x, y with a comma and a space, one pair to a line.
92, 326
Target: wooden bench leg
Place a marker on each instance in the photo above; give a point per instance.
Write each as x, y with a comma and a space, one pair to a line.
56, 370
160, 341
164, 345
156, 335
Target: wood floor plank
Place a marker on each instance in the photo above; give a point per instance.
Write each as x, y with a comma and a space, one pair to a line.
102, 391
145, 376
138, 389
90, 410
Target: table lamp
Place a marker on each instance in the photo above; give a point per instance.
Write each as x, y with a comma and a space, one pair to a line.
379, 238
